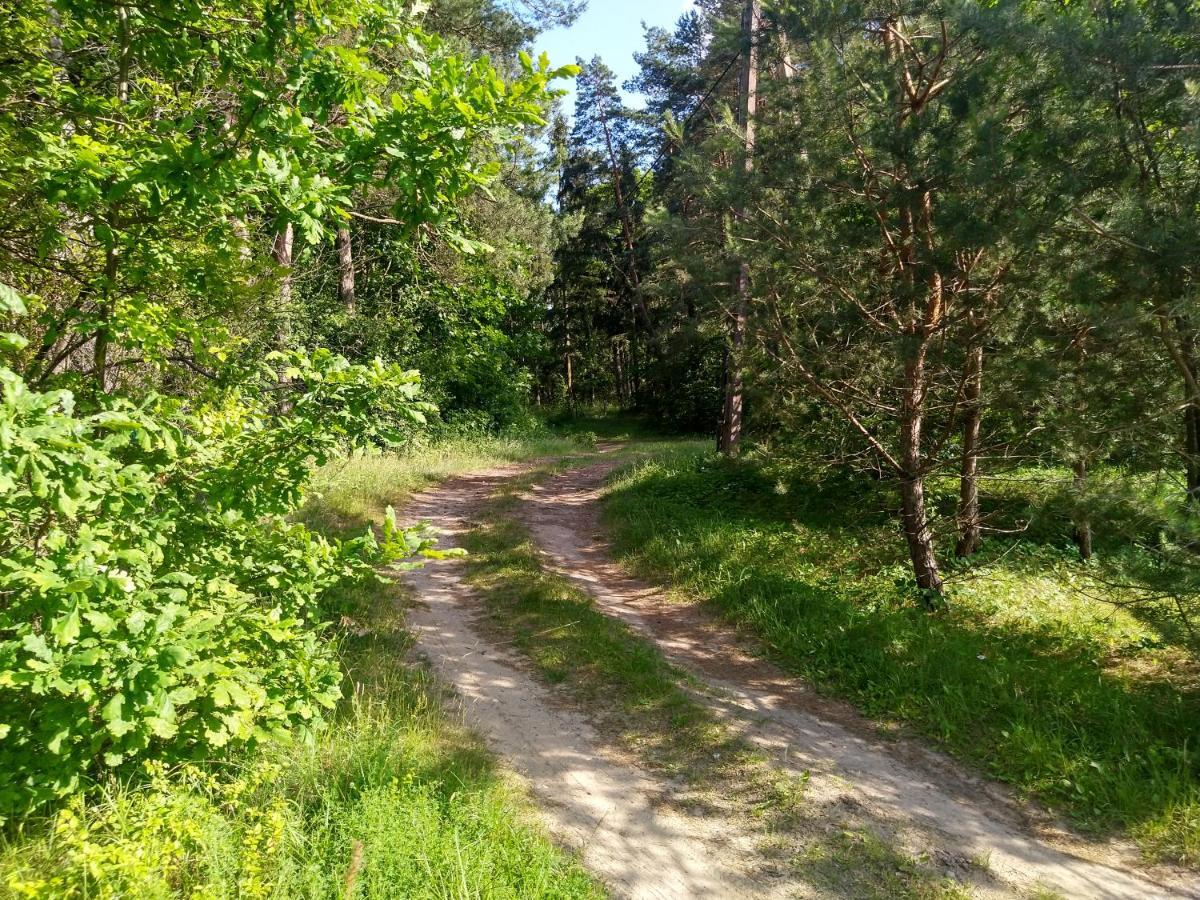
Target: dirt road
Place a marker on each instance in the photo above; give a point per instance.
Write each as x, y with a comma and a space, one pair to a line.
619, 817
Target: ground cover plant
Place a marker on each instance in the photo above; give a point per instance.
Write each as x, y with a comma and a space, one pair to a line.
162, 606
930, 264
170, 628
1073, 700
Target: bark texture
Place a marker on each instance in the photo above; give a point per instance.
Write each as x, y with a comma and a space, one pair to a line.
729, 439
969, 528
282, 252
1083, 524
914, 513
345, 255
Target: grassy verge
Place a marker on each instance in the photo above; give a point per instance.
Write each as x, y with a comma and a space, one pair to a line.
353, 492
394, 799
652, 711
1063, 696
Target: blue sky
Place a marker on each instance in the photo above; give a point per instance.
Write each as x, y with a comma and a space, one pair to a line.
611, 29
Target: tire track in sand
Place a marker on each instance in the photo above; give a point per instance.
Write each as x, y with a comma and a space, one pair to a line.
609, 811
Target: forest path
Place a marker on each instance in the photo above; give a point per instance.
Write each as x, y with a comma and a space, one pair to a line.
592, 801
619, 817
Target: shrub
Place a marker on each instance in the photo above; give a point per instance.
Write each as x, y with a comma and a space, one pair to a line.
155, 602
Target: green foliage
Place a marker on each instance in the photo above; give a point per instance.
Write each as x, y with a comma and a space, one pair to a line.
159, 600
1089, 710
470, 332
157, 144
157, 603
394, 775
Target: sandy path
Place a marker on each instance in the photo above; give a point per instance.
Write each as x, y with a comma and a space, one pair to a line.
610, 811
920, 796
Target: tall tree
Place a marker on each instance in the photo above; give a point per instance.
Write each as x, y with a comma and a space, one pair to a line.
884, 280
730, 435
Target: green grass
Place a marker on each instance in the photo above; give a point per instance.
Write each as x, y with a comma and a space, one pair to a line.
350, 493
652, 710
395, 799
1070, 700
867, 867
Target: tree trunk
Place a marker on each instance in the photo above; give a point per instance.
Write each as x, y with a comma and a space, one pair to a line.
618, 372
912, 476
104, 331
1191, 424
635, 365
570, 374
968, 493
282, 252
123, 54
1191, 411
111, 262
918, 535
345, 255
1083, 525
730, 437
1183, 354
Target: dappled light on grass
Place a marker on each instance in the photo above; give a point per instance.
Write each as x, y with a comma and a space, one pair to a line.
352, 492
1012, 675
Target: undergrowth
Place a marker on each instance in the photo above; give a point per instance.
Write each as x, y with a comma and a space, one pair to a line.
395, 798
1080, 704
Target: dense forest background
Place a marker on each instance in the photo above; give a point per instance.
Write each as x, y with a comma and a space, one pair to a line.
947, 250
953, 240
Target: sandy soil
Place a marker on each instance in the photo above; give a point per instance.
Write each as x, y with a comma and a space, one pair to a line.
611, 812
923, 797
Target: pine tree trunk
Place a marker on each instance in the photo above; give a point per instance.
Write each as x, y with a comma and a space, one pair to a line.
1191, 422
345, 255
635, 365
730, 436
917, 532
1083, 525
568, 365
1191, 412
1179, 341
968, 493
618, 372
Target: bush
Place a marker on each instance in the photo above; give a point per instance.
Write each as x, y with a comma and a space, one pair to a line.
155, 603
